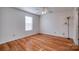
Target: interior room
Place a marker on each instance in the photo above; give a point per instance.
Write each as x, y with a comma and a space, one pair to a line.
39, 29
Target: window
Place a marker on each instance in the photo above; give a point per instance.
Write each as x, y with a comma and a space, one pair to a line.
28, 23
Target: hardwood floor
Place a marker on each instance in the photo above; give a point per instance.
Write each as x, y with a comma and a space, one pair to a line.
40, 42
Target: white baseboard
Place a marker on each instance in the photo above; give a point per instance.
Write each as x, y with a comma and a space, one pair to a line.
17, 38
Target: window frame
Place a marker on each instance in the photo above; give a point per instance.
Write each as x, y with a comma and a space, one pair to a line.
31, 18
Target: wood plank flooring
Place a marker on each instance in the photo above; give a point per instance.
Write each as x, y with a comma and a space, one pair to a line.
40, 42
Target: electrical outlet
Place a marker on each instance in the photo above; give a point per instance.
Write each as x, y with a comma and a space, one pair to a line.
13, 35
63, 34
54, 32
65, 23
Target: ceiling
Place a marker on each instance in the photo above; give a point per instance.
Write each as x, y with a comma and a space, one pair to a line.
38, 10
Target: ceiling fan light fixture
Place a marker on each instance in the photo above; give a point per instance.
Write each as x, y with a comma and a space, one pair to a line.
44, 11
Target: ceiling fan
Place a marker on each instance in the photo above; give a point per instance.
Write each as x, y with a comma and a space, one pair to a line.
44, 10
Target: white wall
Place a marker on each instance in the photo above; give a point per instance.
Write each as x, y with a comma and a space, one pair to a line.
75, 32
0, 24
12, 24
53, 23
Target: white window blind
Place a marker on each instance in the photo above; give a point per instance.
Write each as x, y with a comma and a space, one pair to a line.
28, 23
